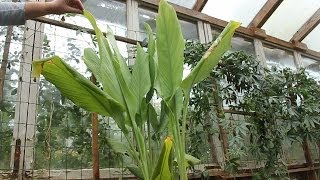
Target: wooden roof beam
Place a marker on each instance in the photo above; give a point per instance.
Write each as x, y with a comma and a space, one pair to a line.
265, 12
199, 5
307, 27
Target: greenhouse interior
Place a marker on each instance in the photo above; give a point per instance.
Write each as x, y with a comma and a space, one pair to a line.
163, 89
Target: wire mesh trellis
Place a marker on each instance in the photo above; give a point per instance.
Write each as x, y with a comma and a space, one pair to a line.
62, 131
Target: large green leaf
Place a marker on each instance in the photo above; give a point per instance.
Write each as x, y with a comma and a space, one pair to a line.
140, 81
151, 54
103, 67
170, 47
123, 65
152, 116
211, 58
111, 70
162, 170
191, 160
76, 87
135, 170
164, 117
120, 147
153, 61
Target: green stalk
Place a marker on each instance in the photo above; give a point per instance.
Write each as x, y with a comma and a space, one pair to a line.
151, 152
136, 156
183, 138
142, 150
179, 139
174, 128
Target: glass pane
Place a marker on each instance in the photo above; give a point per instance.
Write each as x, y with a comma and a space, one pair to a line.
239, 10
238, 43
285, 21
189, 29
215, 33
242, 44
107, 13
312, 40
312, 67
188, 4
279, 58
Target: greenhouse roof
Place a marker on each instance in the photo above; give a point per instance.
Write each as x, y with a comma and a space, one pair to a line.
288, 20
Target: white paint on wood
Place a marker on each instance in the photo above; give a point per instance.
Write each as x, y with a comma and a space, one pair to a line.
132, 19
25, 112
208, 32
260, 53
201, 33
297, 59
133, 28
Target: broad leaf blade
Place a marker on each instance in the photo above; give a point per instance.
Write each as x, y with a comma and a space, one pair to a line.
123, 66
191, 160
162, 170
102, 67
151, 54
211, 57
135, 170
170, 47
75, 87
152, 117
112, 70
120, 147
140, 81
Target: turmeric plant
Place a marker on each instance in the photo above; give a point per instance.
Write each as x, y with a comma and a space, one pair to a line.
126, 95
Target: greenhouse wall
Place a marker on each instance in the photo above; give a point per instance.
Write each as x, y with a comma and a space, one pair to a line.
44, 135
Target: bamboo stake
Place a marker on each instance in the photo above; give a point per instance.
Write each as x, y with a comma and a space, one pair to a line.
5, 58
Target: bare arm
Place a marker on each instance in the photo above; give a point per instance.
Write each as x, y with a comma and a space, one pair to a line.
36, 9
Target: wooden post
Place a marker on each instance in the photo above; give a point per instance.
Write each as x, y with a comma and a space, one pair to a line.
211, 142
201, 32
261, 57
208, 32
309, 161
95, 141
4, 62
220, 114
133, 29
318, 144
25, 110
297, 59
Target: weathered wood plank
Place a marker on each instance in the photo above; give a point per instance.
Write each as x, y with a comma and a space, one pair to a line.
82, 29
4, 62
201, 32
199, 5
265, 12
25, 111
307, 27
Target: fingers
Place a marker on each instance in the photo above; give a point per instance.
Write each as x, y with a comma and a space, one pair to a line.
75, 6
74, 10
66, 6
79, 4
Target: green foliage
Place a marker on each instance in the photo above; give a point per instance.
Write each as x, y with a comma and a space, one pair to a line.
236, 73
284, 105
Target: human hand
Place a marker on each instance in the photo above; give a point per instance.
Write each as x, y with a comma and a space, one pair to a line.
65, 6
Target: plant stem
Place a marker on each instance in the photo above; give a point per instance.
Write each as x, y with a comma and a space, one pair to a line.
142, 150
183, 168
151, 153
